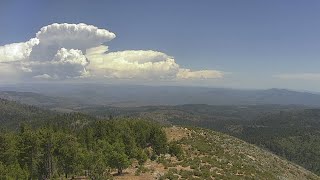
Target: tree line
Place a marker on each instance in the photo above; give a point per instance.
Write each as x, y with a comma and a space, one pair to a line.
87, 148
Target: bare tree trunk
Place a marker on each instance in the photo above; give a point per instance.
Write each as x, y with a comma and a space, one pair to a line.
119, 171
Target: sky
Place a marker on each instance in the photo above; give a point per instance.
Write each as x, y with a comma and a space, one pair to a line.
238, 44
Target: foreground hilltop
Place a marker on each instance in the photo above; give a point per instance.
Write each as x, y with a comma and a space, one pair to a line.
212, 155
79, 145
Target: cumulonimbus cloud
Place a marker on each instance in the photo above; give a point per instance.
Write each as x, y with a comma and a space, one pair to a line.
66, 51
69, 36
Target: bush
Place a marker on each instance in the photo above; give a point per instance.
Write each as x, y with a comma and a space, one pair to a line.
142, 157
153, 157
185, 174
170, 176
175, 150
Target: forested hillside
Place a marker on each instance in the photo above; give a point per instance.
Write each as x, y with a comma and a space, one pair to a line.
293, 135
214, 155
59, 151
292, 132
12, 114
37, 144
136, 149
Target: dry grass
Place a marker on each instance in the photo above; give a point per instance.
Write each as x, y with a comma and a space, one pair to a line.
177, 133
212, 155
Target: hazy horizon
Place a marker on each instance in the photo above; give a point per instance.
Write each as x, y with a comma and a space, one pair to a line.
19, 84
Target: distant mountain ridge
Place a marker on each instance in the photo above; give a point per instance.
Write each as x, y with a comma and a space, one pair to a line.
41, 100
136, 95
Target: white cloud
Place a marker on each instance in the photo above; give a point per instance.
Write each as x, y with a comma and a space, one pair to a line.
66, 51
45, 77
97, 50
202, 74
299, 76
132, 64
141, 64
56, 51
17, 51
69, 36
66, 64
72, 56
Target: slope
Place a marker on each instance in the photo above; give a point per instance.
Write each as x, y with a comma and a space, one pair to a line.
12, 114
212, 155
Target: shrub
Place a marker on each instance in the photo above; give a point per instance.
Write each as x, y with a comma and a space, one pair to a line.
175, 150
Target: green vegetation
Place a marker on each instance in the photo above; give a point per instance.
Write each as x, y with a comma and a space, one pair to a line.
293, 135
175, 150
213, 155
93, 150
292, 132
12, 114
41, 144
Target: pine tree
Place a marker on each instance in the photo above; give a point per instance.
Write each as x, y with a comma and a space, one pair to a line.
28, 151
118, 158
159, 141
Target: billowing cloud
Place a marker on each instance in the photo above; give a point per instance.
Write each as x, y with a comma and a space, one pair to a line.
17, 51
132, 64
69, 36
66, 51
56, 52
141, 64
65, 64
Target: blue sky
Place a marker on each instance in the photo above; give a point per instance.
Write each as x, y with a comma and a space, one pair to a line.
257, 44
